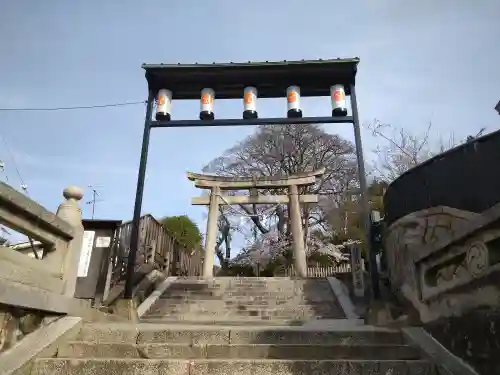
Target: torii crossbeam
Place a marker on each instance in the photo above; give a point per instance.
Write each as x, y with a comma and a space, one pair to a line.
216, 184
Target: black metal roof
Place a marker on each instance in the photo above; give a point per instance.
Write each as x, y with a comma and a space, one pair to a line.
270, 78
460, 178
96, 224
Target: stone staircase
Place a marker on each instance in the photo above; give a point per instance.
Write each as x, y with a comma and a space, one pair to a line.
276, 301
244, 327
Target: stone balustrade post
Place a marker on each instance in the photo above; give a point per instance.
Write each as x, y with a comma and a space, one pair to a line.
72, 214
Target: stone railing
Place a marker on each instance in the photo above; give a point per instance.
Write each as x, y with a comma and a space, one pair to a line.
446, 261
32, 289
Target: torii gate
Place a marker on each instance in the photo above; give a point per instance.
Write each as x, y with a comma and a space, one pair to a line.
217, 184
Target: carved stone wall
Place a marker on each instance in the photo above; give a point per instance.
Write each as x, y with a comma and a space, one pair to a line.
443, 248
446, 262
15, 323
474, 337
405, 236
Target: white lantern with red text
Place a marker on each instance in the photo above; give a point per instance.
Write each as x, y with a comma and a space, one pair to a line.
337, 94
207, 104
163, 105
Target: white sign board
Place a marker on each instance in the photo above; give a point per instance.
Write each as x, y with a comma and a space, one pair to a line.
357, 271
103, 242
87, 244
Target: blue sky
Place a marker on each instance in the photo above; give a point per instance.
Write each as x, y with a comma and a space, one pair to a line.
420, 61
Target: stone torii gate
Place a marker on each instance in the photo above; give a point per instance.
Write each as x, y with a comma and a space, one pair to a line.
217, 184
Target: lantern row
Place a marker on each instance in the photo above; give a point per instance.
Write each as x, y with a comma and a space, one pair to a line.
164, 103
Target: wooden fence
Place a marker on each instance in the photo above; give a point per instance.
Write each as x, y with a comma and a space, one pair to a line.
156, 247
319, 271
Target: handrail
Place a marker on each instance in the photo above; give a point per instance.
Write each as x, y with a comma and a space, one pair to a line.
27, 216
41, 283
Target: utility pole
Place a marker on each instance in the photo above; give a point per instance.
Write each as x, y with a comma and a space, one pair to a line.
94, 200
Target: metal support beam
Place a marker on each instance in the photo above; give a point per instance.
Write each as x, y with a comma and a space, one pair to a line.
149, 123
365, 206
134, 234
257, 121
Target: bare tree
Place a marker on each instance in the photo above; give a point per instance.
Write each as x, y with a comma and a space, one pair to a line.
286, 150
401, 150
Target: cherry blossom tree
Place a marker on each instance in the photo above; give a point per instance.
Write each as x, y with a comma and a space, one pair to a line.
284, 150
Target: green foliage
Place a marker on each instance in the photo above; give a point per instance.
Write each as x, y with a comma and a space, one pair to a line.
351, 210
266, 273
376, 195
184, 230
320, 259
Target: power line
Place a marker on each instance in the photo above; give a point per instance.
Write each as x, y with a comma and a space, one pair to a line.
11, 154
71, 108
24, 187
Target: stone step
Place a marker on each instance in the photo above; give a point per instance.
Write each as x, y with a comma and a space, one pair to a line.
245, 315
165, 308
282, 286
226, 321
251, 310
220, 295
258, 297
238, 281
291, 301
271, 305
251, 334
251, 280
248, 292
79, 349
311, 324
242, 305
161, 307
230, 288
134, 366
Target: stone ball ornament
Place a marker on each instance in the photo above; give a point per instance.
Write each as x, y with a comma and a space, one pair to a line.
73, 192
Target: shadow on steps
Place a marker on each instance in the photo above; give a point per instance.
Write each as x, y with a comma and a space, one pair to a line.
273, 301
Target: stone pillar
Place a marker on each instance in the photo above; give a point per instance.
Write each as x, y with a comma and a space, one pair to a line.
72, 214
299, 252
210, 240
357, 271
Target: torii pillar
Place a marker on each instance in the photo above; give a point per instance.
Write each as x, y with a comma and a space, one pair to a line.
216, 184
211, 234
299, 249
